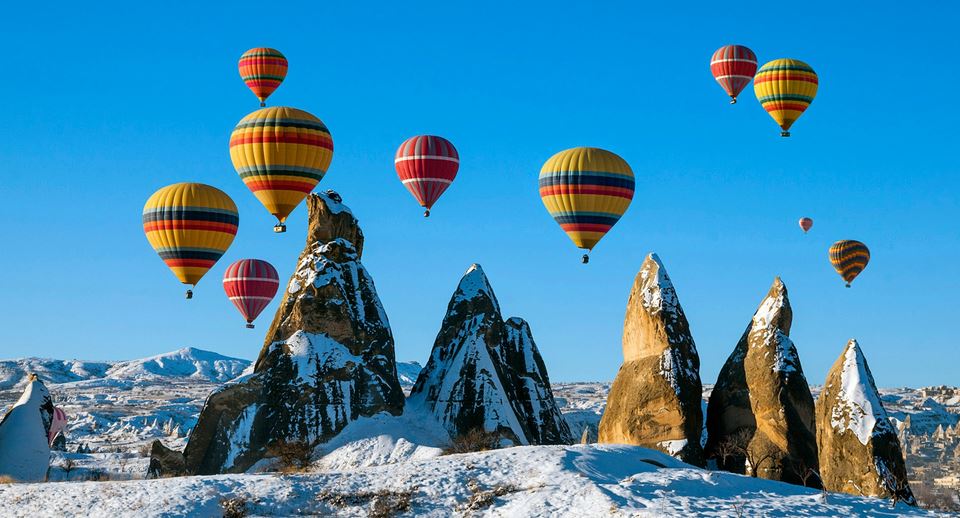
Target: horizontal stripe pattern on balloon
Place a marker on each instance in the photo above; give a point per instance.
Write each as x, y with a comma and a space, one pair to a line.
281, 154
263, 69
785, 88
586, 191
733, 66
849, 258
426, 165
250, 284
190, 226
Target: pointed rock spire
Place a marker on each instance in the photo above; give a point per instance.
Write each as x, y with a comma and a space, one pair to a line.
655, 400
24, 446
328, 358
760, 417
860, 453
484, 373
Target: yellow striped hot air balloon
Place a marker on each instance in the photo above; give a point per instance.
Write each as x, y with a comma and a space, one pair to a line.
586, 190
849, 258
785, 88
190, 225
281, 154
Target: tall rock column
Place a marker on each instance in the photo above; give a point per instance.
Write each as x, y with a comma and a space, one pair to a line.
24, 429
655, 399
484, 373
760, 417
860, 453
328, 358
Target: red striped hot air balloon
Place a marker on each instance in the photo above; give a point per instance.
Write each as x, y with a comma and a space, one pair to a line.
263, 69
733, 66
806, 224
427, 165
250, 284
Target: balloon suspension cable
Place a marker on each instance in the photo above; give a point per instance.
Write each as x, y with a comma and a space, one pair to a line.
280, 228
189, 294
733, 100
250, 325
426, 213
585, 259
784, 133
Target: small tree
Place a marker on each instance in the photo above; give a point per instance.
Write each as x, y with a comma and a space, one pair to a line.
293, 455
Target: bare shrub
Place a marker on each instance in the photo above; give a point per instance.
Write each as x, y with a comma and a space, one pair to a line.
4, 479
235, 507
473, 440
482, 498
144, 449
293, 455
382, 504
98, 475
67, 465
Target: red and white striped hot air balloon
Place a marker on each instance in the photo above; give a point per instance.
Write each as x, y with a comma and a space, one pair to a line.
427, 165
57, 424
250, 284
806, 224
733, 66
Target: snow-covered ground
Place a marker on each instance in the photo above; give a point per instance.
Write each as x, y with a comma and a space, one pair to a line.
116, 409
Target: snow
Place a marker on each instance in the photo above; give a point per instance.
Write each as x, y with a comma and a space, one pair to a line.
13, 373
24, 451
658, 291
334, 202
583, 481
184, 363
859, 408
785, 359
673, 447
309, 351
408, 372
473, 283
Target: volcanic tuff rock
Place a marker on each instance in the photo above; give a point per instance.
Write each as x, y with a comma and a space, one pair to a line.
328, 358
24, 446
655, 399
761, 409
859, 450
484, 373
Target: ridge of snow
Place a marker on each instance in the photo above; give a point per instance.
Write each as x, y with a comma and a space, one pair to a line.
474, 283
310, 351
658, 291
785, 359
334, 202
858, 406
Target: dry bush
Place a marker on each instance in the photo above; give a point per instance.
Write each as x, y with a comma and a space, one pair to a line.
144, 449
473, 440
482, 498
98, 475
383, 503
234, 507
293, 455
67, 465
4, 479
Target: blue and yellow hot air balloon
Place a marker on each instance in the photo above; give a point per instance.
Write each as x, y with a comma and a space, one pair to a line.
849, 258
785, 88
190, 225
586, 190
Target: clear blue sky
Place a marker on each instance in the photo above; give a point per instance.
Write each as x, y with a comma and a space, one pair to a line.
103, 104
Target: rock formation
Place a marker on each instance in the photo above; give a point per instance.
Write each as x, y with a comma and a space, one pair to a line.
859, 450
760, 417
655, 399
328, 358
24, 441
485, 373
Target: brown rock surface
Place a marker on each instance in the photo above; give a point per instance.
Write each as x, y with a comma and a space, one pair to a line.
859, 450
655, 399
760, 417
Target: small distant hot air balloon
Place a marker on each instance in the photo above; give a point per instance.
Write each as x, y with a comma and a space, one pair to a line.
806, 224
849, 258
281, 154
733, 66
263, 69
57, 424
586, 190
250, 284
190, 225
426, 165
785, 88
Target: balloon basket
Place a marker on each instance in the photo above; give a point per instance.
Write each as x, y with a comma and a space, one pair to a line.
426, 213
848, 284
279, 228
263, 104
733, 100
784, 133
585, 259
250, 326
189, 294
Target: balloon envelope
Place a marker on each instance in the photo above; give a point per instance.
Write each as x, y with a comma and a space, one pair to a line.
849, 258
586, 190
250, 284
281, 154
427, 165
785, 88
263, 69
190, 225
806, 224
733, 66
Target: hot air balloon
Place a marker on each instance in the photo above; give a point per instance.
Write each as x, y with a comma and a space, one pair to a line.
426, 165
263, 70
281, 154
785, 88
806, 224
586, 190
190, 225
250, 284
733, 66
849, 258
